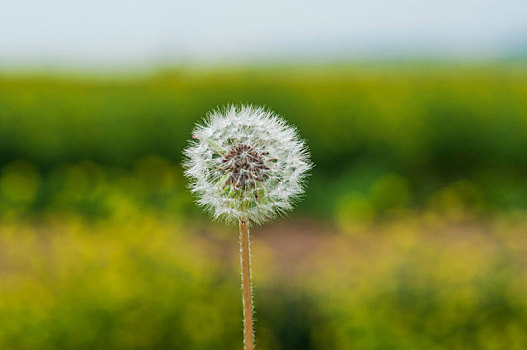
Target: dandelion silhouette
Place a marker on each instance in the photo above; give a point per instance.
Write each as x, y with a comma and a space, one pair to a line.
246, 165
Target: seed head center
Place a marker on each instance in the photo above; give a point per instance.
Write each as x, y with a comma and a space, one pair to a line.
245, 166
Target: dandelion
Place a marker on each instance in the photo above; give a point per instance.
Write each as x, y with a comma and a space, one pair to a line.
246, 165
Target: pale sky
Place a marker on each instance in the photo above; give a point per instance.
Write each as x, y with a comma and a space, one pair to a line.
114, 32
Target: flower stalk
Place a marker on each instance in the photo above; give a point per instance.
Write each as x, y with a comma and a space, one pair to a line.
247, 297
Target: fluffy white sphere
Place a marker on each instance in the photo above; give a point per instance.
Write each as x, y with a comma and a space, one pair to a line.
246, 163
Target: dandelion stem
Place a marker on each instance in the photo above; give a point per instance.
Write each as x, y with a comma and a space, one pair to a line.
245, 262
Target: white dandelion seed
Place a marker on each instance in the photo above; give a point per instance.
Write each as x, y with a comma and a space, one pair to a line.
246, 163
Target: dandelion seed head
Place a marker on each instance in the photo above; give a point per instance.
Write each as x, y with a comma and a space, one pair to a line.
245, 162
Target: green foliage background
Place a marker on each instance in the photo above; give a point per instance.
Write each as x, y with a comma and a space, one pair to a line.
420, 191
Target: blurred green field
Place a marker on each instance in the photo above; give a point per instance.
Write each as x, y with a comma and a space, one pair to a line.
428, 127
411, 234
